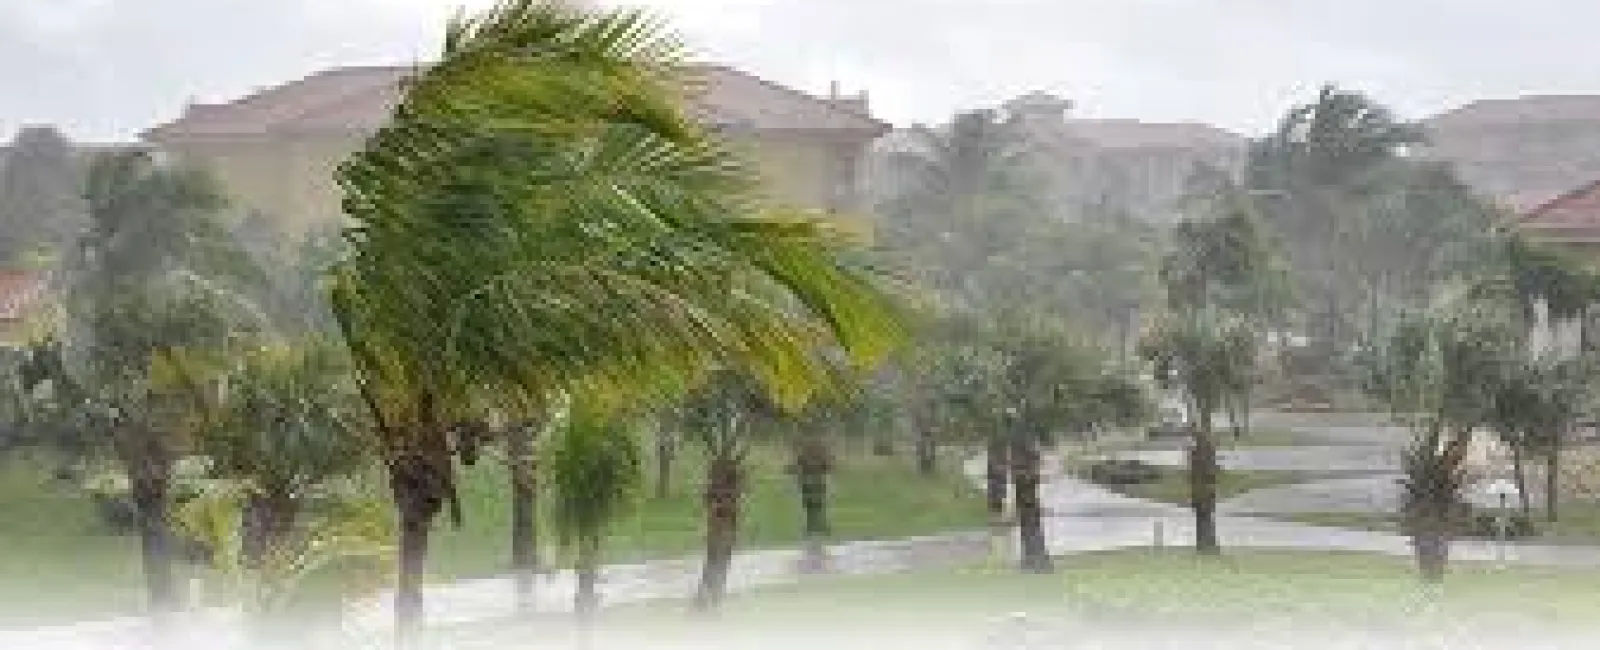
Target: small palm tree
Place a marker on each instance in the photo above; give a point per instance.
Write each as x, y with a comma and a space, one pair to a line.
1438, 372
595, 469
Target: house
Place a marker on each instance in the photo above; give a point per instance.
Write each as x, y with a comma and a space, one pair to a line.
276, 151
21, 295
1570, 221
1142, 166
1524, 151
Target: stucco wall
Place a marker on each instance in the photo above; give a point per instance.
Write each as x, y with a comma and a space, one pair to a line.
293, 180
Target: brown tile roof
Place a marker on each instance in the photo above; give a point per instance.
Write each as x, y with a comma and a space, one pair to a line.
19, 290
1529, 108
1578, 209
360, 99
1136, 134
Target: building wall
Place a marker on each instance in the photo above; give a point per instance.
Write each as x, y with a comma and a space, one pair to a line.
1530, 158
293, 180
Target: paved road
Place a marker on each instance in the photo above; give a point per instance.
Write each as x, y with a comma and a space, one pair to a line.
1084, 518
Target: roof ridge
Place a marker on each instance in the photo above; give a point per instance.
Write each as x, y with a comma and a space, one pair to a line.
785, 88
1544, 208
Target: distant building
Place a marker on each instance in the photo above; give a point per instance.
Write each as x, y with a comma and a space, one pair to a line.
1523, 151
22, 294
1570, 221
276, 151
1141, 166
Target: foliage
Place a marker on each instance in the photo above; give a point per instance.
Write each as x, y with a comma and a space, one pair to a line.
1207, 353
595, 468
290, 420
1366, 227
41, 203
344, 533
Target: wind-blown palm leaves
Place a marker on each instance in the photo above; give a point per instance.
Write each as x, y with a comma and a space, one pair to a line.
540, 213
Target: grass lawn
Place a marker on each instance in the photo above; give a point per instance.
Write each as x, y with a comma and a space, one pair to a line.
55, 562
1579, 523
56, 565
1138, 589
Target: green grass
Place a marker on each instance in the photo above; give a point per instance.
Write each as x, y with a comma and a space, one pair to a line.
872, 498
57, 564
1145, 588
1579, 523
55, 561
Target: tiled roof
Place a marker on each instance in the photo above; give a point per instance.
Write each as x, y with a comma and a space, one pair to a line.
18, 291
1531, 108
1575, 210
360, 99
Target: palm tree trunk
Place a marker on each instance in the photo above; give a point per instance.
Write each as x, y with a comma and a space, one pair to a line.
724, 491
1203, 475
150, 489
524, 518
927, 451
811, 477
586, 601
418, 489
995, 479
1025, 476
665, 455
1552, 483
1430, 543
1519, 474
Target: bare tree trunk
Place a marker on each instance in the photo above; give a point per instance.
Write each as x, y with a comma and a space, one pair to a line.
724, 491
586, 602
995, 479
524, 517
1025, 476
1203, 475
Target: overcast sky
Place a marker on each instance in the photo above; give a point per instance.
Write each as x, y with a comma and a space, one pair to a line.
105, 69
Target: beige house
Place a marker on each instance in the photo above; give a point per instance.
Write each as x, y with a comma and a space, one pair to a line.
275, 151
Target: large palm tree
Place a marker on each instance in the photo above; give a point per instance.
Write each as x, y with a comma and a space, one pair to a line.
541, 212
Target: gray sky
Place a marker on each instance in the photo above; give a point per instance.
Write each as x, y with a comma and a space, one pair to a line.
104, 69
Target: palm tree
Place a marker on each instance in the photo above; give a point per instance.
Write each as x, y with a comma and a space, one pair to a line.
1438, 372
1206, 354
541, 214
596, 470
1048, 384
1322, 163
722, 417
955, 182
289, 425
148, 306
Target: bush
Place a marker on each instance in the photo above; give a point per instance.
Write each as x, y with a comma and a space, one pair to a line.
1123, 472
1486, 525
